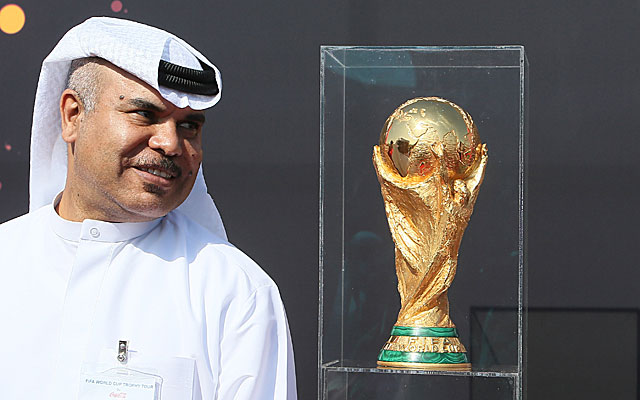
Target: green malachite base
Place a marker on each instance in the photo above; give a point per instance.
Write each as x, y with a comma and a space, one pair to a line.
424, 360
423, 331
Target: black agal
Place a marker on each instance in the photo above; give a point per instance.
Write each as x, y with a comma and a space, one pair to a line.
188, 80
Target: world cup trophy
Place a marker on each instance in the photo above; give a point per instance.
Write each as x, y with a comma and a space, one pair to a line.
430, 164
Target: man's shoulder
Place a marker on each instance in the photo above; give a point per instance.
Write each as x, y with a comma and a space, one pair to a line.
24, 223
209, 253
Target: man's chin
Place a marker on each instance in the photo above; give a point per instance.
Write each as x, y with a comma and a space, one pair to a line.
150, 205
154, 189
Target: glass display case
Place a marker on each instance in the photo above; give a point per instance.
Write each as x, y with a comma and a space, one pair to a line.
359, 301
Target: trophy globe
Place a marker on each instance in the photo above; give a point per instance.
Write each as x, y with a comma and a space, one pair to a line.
421, 123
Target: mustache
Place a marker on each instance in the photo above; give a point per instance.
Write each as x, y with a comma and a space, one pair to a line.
162, 163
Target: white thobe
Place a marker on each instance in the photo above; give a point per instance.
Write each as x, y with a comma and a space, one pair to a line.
181, 296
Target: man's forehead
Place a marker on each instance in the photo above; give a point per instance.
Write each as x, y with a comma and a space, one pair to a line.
134, 91
115, 78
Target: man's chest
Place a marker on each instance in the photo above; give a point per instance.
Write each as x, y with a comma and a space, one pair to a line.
68, 310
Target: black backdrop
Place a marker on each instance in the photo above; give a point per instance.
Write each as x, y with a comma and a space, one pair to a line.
262, 139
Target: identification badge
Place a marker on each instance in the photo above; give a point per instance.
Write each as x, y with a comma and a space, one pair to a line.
120, 383
123, 373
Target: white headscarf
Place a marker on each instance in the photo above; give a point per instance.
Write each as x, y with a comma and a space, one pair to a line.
135, 48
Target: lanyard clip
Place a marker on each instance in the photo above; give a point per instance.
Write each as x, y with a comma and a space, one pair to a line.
123, 351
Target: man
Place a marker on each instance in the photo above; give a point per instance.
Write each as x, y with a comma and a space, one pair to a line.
119, 282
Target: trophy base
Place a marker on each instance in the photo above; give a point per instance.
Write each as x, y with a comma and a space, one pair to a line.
424, 348
424, 366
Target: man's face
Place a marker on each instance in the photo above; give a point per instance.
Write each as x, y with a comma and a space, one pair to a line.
135, 156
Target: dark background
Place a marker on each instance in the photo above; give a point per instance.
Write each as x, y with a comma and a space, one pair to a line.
262, 146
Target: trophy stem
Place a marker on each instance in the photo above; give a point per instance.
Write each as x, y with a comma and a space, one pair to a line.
435, 313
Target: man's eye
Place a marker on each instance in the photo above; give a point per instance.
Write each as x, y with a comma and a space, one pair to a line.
192, 126
145, 114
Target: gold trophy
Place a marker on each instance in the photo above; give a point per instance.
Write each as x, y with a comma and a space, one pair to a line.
430, 164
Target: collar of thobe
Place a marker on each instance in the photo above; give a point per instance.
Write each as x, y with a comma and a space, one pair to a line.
138, 49
99, 231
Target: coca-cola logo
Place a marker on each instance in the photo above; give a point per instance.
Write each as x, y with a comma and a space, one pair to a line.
118, 395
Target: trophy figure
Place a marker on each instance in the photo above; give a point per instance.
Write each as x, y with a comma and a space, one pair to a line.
430, 164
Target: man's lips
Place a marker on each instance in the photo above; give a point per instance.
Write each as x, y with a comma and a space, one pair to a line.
156, 172
152, 176
160, 172
163, 167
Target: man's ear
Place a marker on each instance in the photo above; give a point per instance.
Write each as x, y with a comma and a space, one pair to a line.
71, 113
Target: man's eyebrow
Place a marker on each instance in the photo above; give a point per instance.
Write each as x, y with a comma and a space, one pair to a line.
196, 117
145, 104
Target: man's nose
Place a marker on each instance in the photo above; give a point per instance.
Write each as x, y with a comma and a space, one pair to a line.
166, 138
